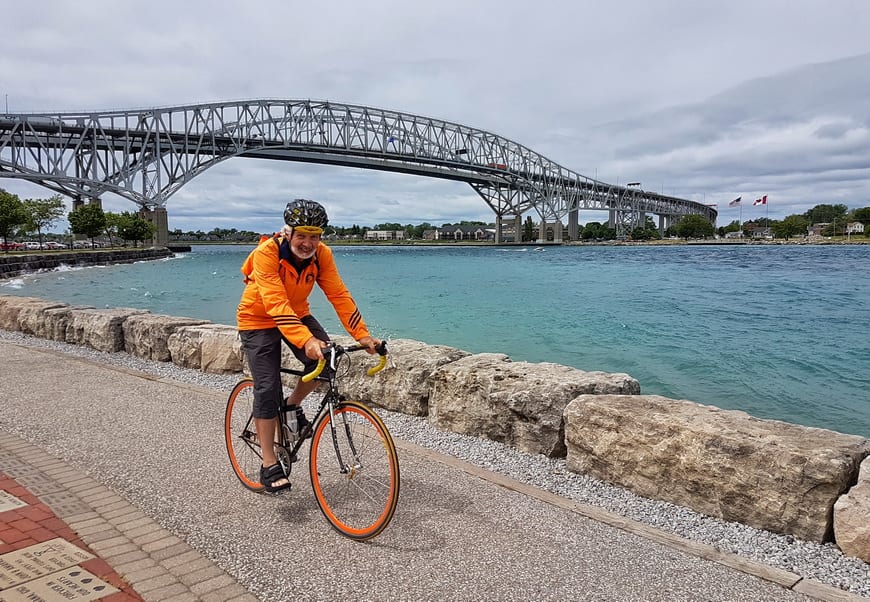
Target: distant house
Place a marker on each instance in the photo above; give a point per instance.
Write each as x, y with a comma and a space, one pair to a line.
459, 233
851, 228
385, 235
757, 231
817, 229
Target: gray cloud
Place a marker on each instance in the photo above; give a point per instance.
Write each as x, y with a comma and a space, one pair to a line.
702, 100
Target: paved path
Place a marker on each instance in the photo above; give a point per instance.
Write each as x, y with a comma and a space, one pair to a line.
135, 465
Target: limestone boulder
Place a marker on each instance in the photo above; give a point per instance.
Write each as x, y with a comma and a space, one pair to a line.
852, 517
12, 308
50, 323
101, 329
222, 351
213, 348
404, 385
147, 335
764, 473
517, 403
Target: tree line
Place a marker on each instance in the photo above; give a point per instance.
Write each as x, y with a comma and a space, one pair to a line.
19, 218
26, 217
835, 217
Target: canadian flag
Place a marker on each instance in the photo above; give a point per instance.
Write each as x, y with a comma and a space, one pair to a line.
761, 201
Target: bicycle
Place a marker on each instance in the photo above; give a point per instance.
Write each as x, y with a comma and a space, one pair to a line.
353, 464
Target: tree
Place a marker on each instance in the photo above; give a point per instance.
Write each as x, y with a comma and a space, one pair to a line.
113, 226
790, 226
862, 215
132, 226
12, 215
821, 214
694, 226
42, 213
388, 226
734, 226
88, 220
528, 229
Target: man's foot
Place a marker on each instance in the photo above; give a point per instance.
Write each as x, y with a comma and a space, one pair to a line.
274, 479
302, 423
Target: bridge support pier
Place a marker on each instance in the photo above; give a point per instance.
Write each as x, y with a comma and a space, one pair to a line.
160, 219
557, 231
574, 225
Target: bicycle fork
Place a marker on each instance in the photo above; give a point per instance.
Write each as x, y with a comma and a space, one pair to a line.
344, 468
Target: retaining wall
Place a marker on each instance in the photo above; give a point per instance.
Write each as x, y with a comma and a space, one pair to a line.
14, 265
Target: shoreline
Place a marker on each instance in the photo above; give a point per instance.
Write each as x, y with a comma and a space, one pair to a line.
13, 265
608, 243
823, 563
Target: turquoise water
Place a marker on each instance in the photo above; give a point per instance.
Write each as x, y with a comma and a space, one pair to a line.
777, 331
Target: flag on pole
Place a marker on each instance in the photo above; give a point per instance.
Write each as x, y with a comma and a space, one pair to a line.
761, 201
735, 202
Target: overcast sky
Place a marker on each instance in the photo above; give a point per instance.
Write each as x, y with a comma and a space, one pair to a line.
702, 100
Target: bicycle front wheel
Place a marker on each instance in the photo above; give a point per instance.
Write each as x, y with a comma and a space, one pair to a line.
354, 471
240, 434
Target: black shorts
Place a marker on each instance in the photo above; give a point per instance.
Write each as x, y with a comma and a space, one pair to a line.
263, 350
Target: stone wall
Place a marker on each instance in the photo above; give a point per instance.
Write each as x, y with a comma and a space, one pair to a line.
769, 474
14, 265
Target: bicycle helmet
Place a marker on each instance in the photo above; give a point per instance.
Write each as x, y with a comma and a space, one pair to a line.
306, 216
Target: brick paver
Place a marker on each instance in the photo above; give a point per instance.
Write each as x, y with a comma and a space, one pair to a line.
36, 523
133, 553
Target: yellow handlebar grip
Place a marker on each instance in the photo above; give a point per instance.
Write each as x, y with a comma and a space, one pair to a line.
375, 369
314, 373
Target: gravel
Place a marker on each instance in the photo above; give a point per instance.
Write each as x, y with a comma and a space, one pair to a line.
821, 562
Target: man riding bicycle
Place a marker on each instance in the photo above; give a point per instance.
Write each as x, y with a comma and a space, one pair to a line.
279, 276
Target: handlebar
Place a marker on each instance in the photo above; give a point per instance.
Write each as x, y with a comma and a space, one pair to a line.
334, 350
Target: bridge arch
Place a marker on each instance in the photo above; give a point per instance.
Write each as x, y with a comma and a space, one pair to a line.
146, 155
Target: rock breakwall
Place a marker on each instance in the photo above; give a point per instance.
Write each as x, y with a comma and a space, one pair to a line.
808, 482
15, 265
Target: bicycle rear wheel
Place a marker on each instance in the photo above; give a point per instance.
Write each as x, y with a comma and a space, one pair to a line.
240, 434
356, 477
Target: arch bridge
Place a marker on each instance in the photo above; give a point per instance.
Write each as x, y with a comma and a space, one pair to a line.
147, 155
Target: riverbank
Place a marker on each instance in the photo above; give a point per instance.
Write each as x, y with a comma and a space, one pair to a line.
192, 244
808, 561
15, 264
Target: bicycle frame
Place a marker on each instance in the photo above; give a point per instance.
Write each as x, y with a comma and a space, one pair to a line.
328, 403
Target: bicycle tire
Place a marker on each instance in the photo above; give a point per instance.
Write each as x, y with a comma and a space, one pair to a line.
240, 433
360, 502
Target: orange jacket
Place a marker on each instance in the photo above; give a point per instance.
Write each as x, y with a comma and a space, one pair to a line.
277, 296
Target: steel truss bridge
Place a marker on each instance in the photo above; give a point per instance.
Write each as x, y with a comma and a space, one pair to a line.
147, 155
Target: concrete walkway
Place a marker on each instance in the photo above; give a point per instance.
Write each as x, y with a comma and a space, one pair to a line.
136, 466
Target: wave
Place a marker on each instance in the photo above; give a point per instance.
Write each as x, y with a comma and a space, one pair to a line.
14, 283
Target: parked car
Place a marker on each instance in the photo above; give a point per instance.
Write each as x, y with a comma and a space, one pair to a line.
54, 245
11, 246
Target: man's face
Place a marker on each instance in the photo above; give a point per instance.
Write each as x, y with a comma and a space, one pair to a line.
304, 245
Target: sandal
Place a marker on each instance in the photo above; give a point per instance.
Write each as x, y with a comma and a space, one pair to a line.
274, 479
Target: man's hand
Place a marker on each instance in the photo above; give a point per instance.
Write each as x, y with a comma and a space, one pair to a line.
369, 343
314, 348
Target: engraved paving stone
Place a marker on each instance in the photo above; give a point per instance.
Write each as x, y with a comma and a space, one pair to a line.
38, 560
70, 584
9, 502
